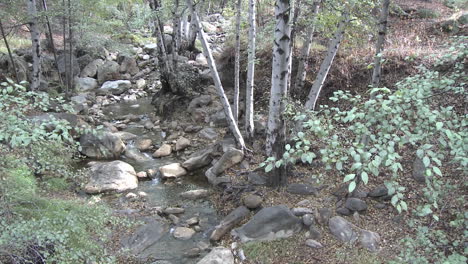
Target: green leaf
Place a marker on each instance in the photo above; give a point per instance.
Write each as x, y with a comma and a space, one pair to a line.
269, 167
278, 163
339, 165
394, 200
437, 171
364, 177
439, 125
349, 177
435, 217
404, 206
352, 186
426, 161
288, 147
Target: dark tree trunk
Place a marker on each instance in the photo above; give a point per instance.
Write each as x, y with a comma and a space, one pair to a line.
15, 73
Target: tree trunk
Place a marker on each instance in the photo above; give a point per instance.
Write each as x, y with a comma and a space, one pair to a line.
70, 54
51, 39
64, 36
13, 64
295, 10
175, 34
276, 129
193, 29
219, 87
161, 43
304, 57
380, 44
36, 45
249, 95
235, 107
327, 62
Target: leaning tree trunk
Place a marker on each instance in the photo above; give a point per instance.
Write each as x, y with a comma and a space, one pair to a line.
235, 107
36, 45
304, 57
13, 64
376, 74
276, 130
219, 87
51, 39
249, 95
327, 62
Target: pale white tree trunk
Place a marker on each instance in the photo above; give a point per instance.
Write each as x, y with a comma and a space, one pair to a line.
219, 87
304, 57
276, 129
380, 44
249, 95
295, 10
235, 107
175, 34
327, 62
185, 26
36, 46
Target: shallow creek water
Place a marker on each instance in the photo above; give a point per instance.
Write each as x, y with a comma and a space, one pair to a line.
167, 249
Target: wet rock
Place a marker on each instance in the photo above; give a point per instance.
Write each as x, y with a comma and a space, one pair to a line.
355, 204
313, 243
208, 133
199, 159
174, 210
111, 176
218, 255
108, 71
142, 175
269, 224
193, 252
125, 136
134, 154
163, 151
301, 189
143, 144
192, 221
252, 201
144, 237
308, 219
195, 194
231, 220
300, 211
131, 196
174, 219
114, 87
182, 143
183, 233
148, 125
173, 170
104, 145
85, 84
379, 191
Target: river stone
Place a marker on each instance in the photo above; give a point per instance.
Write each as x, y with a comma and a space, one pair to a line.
199, 159
195, 194
114, 87
355, 204
232, 219
313, 243
379, 191
208, 133
144, 237
90, 70
173, 170
103, 145
108, 71
343, 211
269, 224
134, 154
230, 158
300, 211
174, 210
129, 65
163, 151
182, 143
183, 233
85, 84
140, 84
143, 144
252, 201
111, 176
125, 136
308, 219
218, 255
342, 229
301, 189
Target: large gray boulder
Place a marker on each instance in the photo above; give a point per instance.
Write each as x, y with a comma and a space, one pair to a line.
114, 87
108, 71
173, 170
232, 219
349, 233
269, 224
199, 159
103, 145
129, 65
111, 176
91, 69
218, 255
85, 84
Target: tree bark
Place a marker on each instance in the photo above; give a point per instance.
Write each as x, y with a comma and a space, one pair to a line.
304, 57
192, 36
36, 45
249, 95
175, 34
161, 43
276, 130
51, 39
219, 87
70, 42
295, 10
376, 74
235, 107
327, 63
13, 64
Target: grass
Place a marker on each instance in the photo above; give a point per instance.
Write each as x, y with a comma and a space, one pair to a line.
15, 42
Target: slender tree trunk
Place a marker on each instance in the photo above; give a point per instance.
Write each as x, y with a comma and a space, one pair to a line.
304, 57
249, 95
70, 52
36, 45
154, 5
327, 63
51, 39
276, 130
219, 87
295, 10
175, 34
13, 64
184, 26
193, 29
235, 107
376, 74
64, 35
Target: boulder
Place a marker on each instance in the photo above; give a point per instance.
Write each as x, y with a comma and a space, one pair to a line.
125, 136
349, 233
134, 154
163, 151
230, 158
103, 145
218, 255
232, 219
269, 224
143, 144
140, 84
111, 176
195, 194
199, 159
85, 84
182, 143
108, 71
300, 211
252, 201
114, 87
355, 204
129, 65
173, 170
183, 233
91, 69
208, 133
